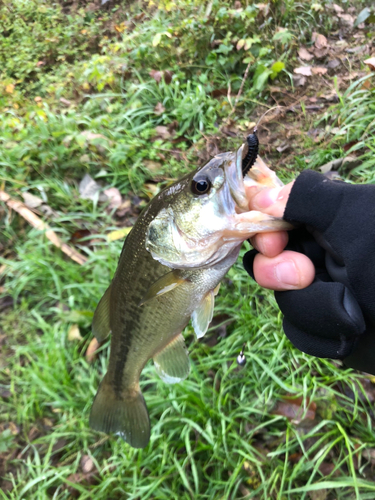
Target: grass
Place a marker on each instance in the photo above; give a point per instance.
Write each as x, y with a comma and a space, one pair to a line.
218, 435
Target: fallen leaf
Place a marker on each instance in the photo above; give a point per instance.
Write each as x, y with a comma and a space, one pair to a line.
153, 166
347, 19
152, 189
88, 189
74, 333
292, 409
156, 75
294, 458
31, 201
9, 89
91, 136
318, 494
87, 464
318, 70
305, 54
118, 234
333, 63
114, 197
65, 101
159, 109
299, 80
168, 76
303, 70
91, 350
337, 8
370, 63
320, 41
163, 132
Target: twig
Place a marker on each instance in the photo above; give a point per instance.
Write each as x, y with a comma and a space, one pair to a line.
73, 456
37, 222
242, 84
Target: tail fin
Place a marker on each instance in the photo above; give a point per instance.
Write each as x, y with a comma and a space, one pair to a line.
125, 414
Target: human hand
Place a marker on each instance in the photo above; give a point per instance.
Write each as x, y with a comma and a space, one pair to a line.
274, 267
331, 315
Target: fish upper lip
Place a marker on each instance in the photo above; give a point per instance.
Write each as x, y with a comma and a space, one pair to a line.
235, 180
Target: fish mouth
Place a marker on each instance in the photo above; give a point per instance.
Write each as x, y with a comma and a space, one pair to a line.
235, 178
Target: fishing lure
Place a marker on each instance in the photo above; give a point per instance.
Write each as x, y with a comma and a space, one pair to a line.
252, 153
241, 358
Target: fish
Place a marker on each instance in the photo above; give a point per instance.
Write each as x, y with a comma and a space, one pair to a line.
169, 271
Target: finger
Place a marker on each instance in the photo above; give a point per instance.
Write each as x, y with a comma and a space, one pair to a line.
270, 201
287, 271
270, 244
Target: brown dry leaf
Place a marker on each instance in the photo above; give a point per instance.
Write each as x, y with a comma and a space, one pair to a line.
168, 76
152, 189
299, 80
65, 101
91, 350
159, 109
114, 196
318, 494
319, 70
90, 136
74, 333
163, 132
346, 19
305, 54
319, 40
333, 63
153, 166
156, 75
263, 8
293, 410
303, 70
326, 468
370, 63
31, 201
87, 464
337, 8
9, 89
366, 85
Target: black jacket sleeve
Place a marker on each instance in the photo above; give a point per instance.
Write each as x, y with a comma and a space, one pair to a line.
335, 316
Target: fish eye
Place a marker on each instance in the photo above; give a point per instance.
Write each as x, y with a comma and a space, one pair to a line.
200, 186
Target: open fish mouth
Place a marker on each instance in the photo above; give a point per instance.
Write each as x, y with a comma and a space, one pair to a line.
235, 170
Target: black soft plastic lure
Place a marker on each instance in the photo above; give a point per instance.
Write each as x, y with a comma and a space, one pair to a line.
251, 156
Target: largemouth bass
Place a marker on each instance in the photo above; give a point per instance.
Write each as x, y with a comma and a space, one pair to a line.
169, 271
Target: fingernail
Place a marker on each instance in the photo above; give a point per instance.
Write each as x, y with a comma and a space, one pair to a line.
287, 274
266, 198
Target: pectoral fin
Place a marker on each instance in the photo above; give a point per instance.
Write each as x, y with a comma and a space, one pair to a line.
163, 285
100, 324
202, 316
172, 363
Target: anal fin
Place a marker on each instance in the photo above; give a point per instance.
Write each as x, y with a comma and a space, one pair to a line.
202, 315
101, 327
172, 363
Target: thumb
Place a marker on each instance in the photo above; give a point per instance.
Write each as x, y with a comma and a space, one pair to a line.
271, 201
